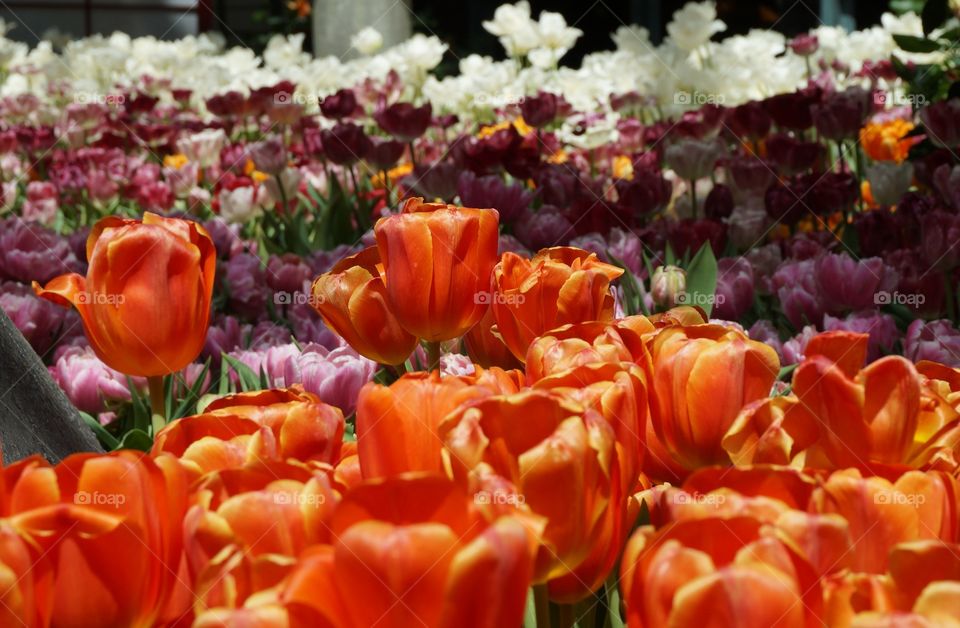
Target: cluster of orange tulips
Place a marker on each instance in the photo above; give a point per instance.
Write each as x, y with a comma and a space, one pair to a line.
647, 470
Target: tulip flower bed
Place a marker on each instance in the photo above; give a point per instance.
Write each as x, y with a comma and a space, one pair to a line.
664, 340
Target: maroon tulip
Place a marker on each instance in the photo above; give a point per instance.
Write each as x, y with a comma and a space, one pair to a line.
339, 105
749, 120
384, 154
540, 110
842, 114
688, 236
644, 194
431, 181
228, 104
487, 154
491, 191
404, 121
792, 111
345, 144
719, 203
942, 122
793, 156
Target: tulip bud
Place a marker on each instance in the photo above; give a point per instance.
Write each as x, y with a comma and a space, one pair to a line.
667, 286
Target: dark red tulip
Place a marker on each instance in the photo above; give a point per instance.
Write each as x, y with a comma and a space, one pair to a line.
404, 121
345, 144
540, 110
339, 105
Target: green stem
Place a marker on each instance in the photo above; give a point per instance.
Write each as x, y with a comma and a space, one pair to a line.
158, 402
566, 615
413, 155
433, 356
693, 197
541, 601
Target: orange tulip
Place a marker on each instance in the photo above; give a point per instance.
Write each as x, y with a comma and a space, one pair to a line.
418, 553
397, 424
486, 348
437, 260
104, 534
262, 425
352, 300
559, 286
881, 513
250, 523
766, 432
719, 572
145, 302
551, 456
703, 376
882, 415
571, 346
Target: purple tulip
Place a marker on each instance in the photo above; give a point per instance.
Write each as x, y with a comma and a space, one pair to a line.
40, 321
491, 191
628, 248
849, 284
287, 273
323, 261
543, 228
794, 349
33, 253
764, 331
335, 376
734, 295
226, 238
798, 291
246, 284
266, 335
269, 156
593, 242
223, 336
765, 261
940, 233
937, 341
405, 121
88, 383
510, 244
749, 176
881, 328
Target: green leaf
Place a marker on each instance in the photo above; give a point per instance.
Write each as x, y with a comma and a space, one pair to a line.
136, 439
632, 291
702, 279
530, 611
106, 439
192, 394
248, 379
910, 43
934, 14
